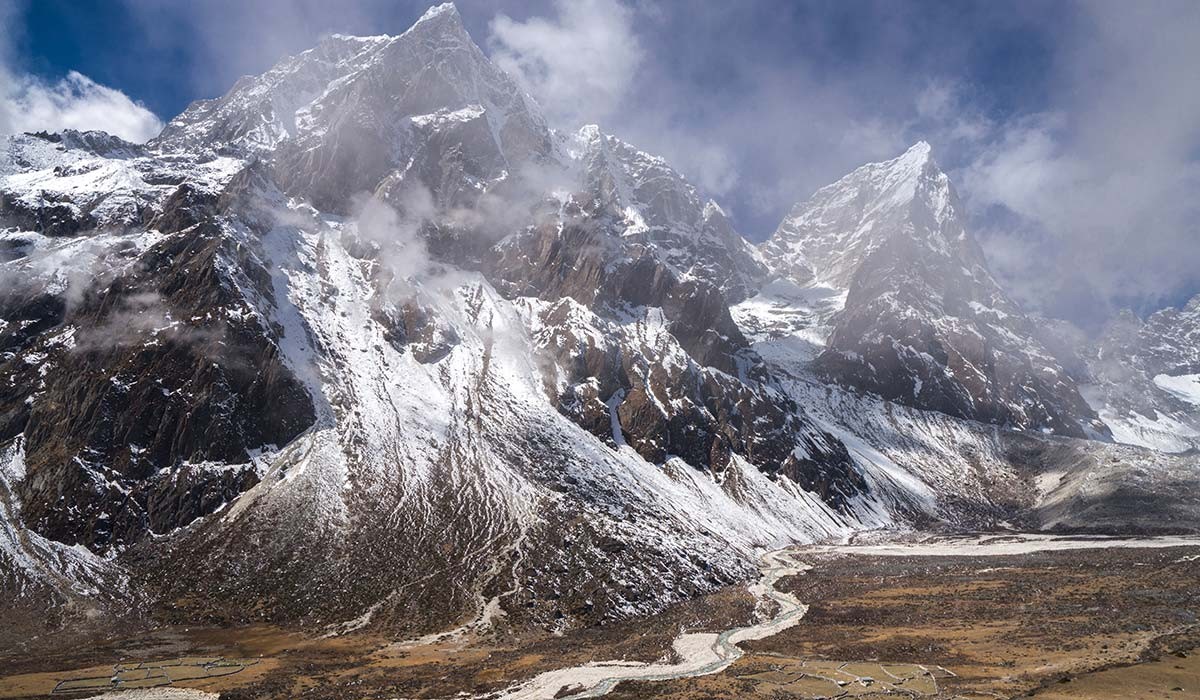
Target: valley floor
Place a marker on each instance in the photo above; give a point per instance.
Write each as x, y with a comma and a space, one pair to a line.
980, 617
1104, 622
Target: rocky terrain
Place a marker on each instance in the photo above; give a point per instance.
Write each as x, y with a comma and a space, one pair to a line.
366, 345
923, 322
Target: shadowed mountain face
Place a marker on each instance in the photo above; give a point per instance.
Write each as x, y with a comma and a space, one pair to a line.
367, 317
365, 342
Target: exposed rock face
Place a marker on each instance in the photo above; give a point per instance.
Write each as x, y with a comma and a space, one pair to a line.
365, 317
1178, 332
664, 213
155, 384
364, 342
631, 382
924, 322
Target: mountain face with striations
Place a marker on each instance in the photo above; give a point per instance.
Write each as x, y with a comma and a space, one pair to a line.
366, 342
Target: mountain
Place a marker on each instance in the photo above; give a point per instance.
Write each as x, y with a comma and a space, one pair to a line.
924, 322
365, 343
695, 238
426, 333
338, 119
1145, 378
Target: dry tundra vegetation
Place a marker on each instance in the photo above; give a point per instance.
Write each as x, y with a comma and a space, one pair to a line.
1091, 623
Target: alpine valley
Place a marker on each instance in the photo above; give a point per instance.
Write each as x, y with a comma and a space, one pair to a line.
364, 348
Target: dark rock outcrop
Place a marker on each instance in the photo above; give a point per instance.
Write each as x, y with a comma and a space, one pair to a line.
924, 322
163, 389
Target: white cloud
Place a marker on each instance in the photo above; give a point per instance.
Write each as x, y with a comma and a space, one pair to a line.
5, 120
1020, 168
943, 107
579, 66
75, 102
1105, 181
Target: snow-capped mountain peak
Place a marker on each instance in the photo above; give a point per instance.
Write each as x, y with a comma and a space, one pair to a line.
446, 9
458, 361
691, 235
338, 117
899, 182
924, 321
835, 229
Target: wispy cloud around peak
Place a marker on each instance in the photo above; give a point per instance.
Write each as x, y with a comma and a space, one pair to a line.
579, 65
1103, 182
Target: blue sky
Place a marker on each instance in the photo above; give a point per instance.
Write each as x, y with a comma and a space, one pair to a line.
1072, 139
112, 43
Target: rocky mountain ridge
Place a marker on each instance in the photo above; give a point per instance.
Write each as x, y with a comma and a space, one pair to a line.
923, 322
364, 342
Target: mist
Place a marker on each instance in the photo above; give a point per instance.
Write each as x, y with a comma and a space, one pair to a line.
1078, 169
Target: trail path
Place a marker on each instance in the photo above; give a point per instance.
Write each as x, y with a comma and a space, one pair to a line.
1002, 544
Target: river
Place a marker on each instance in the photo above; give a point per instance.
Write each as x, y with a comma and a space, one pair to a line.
697, 653
703, 653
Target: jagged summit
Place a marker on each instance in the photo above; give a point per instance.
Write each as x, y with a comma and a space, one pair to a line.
904, 170
336, 120
434, 60
447, 13
660, 205
446, 9
924, 320
442, 20
459, 363
920, 151
835, 229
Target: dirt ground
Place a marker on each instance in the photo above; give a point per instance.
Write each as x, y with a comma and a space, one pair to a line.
1097, 624
295, 665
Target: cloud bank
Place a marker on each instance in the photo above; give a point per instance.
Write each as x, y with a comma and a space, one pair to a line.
1105, 182
28, 103
75, 102
579, 64
1078, 162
